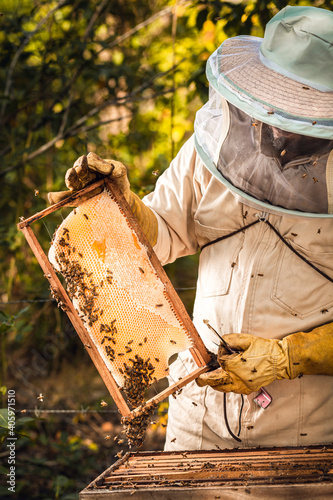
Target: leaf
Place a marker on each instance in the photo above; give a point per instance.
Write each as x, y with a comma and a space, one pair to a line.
24, 420
3, 317
4, 418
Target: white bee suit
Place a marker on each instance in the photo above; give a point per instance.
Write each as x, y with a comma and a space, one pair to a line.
253, 283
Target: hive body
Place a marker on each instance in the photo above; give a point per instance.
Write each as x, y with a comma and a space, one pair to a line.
116, 291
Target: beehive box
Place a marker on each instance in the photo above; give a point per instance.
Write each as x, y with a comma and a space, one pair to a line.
269, 473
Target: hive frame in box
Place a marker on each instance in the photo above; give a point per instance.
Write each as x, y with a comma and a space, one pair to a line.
199, 352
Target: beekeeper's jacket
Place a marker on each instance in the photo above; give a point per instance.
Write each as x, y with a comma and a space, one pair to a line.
250, 283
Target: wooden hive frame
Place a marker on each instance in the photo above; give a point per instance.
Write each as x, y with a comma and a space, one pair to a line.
199, 352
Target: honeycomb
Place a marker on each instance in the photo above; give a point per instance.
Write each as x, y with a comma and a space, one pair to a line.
117, 292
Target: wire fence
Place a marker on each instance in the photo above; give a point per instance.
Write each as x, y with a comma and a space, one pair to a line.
33, 301
38, 411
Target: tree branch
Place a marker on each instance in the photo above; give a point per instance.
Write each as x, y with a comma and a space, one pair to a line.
93, 19
72, 131
145, 23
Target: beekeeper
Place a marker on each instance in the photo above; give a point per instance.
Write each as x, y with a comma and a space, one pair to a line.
253, 190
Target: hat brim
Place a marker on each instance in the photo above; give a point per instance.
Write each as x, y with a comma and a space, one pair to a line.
236, 72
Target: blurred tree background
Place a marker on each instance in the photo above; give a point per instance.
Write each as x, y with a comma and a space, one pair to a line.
124, 79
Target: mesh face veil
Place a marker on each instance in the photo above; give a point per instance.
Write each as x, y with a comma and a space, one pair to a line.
251, 156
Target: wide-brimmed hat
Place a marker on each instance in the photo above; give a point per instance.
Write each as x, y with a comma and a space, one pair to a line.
284, 79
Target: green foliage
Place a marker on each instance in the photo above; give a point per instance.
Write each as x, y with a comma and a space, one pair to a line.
112, 77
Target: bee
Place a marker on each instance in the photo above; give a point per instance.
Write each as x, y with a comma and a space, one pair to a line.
173, 342
193, 403
23, 411
36, 192
314, 180
294, 234
156, 359
283, 152
270, 112
156, 173
254, 370
86, 216
103, 403
107, 437
304, 175
80, 254
141, 270
145, 339
173, 440
120, 441
40, 397
314, 122
159, 305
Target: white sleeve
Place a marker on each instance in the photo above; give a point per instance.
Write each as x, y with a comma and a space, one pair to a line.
174, 202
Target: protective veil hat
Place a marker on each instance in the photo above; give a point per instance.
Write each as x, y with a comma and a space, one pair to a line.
284, 79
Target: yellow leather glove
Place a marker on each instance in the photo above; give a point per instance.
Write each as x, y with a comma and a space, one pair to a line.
261, 361
88, 169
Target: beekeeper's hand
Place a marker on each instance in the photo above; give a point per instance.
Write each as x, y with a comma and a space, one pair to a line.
90, 168
261, 361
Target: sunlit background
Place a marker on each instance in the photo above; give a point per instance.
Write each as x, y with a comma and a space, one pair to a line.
124, 79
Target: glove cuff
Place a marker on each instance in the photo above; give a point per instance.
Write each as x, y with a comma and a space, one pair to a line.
145, 217
311, 353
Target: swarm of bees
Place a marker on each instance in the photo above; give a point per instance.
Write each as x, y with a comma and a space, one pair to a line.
135, 427
80, 284
137, 378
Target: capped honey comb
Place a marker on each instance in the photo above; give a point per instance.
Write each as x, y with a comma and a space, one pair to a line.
116, 291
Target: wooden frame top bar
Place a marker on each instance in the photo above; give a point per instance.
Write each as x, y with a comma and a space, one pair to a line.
67, 202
